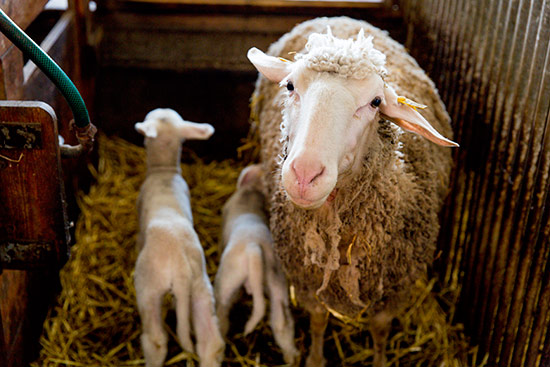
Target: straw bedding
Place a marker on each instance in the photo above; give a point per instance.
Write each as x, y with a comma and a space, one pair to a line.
96, 323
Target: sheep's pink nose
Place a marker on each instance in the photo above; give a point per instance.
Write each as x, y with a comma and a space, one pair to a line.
306, 173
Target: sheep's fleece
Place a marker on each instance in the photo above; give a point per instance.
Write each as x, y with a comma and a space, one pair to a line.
361, 252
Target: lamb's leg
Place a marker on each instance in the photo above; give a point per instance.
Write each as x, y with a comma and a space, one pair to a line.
282, 323
153, 337
255, 286
318, 321
229, 278
380, 330
210, 344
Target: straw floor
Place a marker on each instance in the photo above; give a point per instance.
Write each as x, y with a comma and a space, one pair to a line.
95, 321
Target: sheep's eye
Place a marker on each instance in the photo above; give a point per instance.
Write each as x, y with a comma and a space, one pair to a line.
376, 102
290, 86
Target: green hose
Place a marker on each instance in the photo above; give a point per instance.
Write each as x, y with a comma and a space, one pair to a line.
48, 67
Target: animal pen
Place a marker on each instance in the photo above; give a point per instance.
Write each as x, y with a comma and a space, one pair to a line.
68, 224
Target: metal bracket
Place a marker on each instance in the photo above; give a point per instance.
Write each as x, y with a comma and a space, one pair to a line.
26, 254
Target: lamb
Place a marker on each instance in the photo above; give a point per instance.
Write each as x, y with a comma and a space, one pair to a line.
353, 199
170, 257
247, 255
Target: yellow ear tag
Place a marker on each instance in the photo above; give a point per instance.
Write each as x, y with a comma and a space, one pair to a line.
411, 104
283, 59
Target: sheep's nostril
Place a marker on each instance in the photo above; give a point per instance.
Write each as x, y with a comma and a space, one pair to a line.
306, 172
317, 175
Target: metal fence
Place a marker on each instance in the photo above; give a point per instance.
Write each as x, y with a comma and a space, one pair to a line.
490, 60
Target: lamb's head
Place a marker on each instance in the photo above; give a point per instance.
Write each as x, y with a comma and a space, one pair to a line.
167, 125
335, 93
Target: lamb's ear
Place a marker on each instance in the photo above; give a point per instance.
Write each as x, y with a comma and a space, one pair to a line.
273, 68
248, 174
403, 112
149, 130
195, 131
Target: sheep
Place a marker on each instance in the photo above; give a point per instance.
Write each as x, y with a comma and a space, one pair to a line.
353, 197
170, 256
247, 257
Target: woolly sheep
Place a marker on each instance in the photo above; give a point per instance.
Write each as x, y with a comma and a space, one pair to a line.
247, 256
353, 199
170, 257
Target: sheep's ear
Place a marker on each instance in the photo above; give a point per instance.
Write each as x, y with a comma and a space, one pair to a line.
249, 174
403, 113
148, 130
273, 68
195, 131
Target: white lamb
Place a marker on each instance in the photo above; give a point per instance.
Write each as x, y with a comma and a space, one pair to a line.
171, 258
247, 257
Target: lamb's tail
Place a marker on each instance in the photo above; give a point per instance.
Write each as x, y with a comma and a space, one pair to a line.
181, 289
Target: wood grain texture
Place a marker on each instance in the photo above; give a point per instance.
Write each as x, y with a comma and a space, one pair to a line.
32, 210
31, 190
204, 38
22, 12
491, 63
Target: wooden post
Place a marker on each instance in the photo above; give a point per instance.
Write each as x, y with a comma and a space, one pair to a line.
34, 232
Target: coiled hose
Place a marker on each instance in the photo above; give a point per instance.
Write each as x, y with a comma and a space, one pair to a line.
85, 130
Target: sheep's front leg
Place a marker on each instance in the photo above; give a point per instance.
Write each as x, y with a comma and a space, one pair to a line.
380, 330
318, 321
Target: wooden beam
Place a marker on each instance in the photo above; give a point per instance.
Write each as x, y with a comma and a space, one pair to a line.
22, 12
271, 3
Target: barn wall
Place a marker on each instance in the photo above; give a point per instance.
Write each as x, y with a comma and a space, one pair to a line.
490, 61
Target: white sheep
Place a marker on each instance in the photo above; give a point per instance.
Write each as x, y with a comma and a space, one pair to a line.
248, 258
353, 199
171, 258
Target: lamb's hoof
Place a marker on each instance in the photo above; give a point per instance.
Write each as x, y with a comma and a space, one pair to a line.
379, 360
315, 361
292, 358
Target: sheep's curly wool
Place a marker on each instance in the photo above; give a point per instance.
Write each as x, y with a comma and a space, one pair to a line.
361, 253
350, 58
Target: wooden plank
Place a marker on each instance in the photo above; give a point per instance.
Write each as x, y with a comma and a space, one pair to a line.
187, 41
14, 303
32, 211
11, 74
31, 188
181, 41
22, 12
25, 297
271, 3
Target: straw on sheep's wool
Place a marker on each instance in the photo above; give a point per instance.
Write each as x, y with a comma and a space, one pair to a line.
95, 321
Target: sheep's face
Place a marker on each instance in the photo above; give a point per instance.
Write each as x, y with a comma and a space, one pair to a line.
330, 106
326, 121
